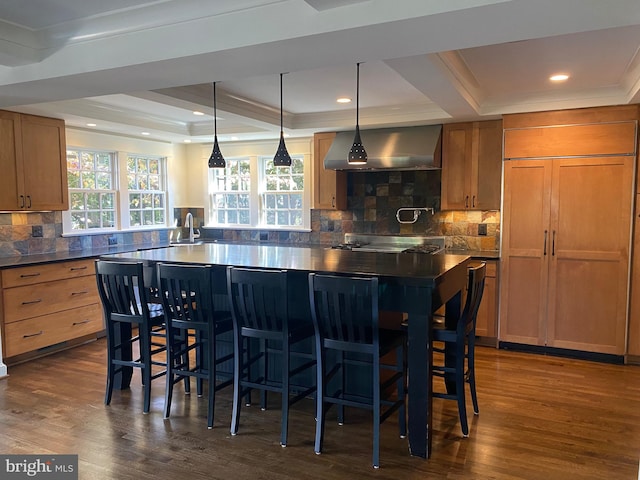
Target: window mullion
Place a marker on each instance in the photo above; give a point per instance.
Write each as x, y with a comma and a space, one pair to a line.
254, 192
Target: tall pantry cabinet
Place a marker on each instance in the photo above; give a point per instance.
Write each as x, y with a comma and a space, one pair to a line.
568, 186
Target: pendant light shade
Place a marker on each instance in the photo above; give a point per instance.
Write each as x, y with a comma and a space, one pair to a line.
216, 160
282, 158
357, 154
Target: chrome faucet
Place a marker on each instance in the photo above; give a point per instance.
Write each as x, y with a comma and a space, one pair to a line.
188, 222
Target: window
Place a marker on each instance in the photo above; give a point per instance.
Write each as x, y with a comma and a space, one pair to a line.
146, 192
92, 196
231, 190
111, 191
282, 193
253, 193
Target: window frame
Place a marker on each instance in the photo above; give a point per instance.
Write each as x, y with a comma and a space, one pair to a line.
122, 213
257, 177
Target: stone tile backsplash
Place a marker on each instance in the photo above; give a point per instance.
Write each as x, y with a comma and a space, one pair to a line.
373, 198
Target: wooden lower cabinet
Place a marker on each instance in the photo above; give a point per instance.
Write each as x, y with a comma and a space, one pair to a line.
48, 305
487, 318
565, 252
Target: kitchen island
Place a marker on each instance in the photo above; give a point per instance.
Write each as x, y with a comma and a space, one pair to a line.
409, 282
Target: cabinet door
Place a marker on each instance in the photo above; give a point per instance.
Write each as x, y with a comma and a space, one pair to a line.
634, 311
589, 262
329, 186
44, 163
486, 182
11, 186
456, 166
487, 318
525, 247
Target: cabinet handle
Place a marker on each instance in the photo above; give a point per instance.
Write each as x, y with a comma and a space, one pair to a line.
545, 242
32, 302
333, 202
553, 244
29, 198
33, 334
466, 201
473, 202
27, 275
73, 269
82, 322
79, 293
21, 201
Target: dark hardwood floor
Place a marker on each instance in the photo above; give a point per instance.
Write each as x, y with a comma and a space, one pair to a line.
540, 418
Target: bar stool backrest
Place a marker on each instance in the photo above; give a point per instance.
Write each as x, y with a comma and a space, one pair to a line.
345, 309
118, 289
259, 299
475, 288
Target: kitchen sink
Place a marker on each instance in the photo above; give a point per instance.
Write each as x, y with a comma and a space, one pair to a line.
186, 243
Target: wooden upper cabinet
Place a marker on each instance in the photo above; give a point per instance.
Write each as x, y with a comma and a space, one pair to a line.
329, 186
33, 155
572, 133
571, 140
472, 165
10, 158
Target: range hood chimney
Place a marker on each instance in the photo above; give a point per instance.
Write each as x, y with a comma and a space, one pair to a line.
403, 148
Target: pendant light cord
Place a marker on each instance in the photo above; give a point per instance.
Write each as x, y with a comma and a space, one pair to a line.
281, 131
215, 123
357, 94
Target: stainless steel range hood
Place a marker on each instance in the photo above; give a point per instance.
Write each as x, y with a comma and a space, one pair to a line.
405, 148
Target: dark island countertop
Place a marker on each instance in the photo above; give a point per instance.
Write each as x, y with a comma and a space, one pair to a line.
411, 267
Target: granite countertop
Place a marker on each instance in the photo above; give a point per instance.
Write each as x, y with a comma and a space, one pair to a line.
24, 260
483, 254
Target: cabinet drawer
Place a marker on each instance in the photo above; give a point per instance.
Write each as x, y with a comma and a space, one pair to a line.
16, 277
34, 333
49, 297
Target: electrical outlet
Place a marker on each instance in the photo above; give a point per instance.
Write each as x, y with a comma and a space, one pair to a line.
113, 240
482, 229
36, 231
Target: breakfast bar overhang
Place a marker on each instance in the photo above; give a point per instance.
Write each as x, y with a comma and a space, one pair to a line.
413, 283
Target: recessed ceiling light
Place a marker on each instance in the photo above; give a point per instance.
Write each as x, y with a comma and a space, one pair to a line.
343, 100
234, 138
560, 77
187, 140
196, 112
146, 133
91, 125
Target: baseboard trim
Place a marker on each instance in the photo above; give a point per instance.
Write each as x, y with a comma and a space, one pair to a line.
563, 352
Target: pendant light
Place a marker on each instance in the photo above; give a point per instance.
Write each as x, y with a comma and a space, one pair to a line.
357, 154
216, 160
282, 158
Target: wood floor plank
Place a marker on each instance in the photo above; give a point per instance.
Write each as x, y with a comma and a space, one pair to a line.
540, 418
